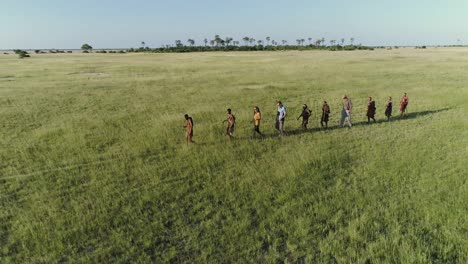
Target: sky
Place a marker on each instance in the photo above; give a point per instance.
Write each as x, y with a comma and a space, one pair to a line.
46, 24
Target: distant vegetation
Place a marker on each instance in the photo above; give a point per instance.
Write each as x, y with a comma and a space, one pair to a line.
252, 44
22, 53
86, 48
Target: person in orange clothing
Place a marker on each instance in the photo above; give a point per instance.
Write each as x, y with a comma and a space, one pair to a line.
403, 104
257, 118
188, 129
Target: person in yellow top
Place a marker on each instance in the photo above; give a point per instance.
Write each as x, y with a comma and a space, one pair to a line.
257, 118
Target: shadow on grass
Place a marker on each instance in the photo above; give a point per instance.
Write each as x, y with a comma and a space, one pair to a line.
360, 123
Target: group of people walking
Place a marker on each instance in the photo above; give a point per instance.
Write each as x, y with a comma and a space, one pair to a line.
305, 115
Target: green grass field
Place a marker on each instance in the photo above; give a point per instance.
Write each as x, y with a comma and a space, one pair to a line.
93, 165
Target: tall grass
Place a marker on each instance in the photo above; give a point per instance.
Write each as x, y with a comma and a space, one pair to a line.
93, 165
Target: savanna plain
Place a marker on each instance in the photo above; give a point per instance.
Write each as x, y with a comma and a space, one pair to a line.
94, 168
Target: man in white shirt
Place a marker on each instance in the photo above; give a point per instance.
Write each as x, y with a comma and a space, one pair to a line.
281, 115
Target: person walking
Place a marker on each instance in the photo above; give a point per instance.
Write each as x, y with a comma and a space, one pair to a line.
231, 121
306, 112
371, 110
325, 114
188, 129
388, 108
257, 118
404, 104
346, 111
281, 115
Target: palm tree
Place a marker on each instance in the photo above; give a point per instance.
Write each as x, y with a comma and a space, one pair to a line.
218, 40
310, 41
268, 40
206, 41
351, 41
178, 43
228, 40
284, 42
302, 42
252, 40
246, 40
260, 42
342, 41
143, 44
323, 41
318, 42
298, 42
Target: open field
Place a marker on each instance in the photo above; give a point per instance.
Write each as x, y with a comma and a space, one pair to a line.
93, 167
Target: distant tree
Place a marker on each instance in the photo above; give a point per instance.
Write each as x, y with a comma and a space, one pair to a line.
37, 51
318, 42
218, 40
298, 42
302, 42
268, 40
351, 41
322, 41
21, 53
178, 43
310, 41
212, 42
228, 41
342, 41
332, 42
143, 44
252, 40
191, 42
260, 42
206, 41
246, 40
284, 42
86, 47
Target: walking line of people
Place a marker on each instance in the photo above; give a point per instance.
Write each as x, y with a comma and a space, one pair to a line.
305, 115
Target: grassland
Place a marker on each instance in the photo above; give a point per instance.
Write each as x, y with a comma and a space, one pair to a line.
93, 167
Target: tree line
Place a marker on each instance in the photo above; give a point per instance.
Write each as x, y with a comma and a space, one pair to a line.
251, 44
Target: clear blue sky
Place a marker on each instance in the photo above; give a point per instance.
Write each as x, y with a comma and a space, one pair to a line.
123, 24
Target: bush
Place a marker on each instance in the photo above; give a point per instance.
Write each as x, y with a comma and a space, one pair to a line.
85, 51
69, 51
22, 53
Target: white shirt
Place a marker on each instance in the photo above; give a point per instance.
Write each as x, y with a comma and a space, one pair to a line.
282, 112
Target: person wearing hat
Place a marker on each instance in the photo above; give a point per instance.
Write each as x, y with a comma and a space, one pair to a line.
280, 117
403, 104
188, 129
370, 110
305, 116
388, 109
346, 111
231, 120
325, 114
256, 119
